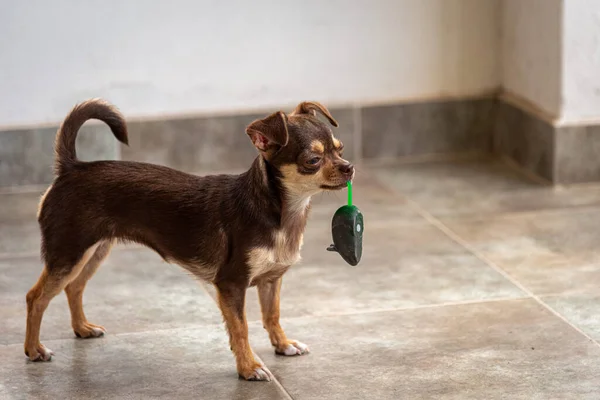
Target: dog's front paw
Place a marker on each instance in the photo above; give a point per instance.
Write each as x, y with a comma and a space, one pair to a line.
39, 353
292, 348
89, 330
257, 373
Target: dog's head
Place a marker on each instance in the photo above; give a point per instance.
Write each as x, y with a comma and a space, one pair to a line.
303, 149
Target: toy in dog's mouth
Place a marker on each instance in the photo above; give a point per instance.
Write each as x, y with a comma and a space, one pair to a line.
347, 229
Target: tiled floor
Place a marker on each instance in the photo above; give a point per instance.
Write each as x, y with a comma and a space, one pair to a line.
475, 283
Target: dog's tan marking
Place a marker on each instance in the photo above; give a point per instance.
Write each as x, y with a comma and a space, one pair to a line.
237, 327
269, 296
336, 143
38, 298
317, 146
42, 199
301, 187
201, 270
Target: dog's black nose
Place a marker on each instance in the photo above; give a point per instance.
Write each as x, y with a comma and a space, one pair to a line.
347, 169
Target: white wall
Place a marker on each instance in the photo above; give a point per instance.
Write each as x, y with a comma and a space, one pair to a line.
581, 62
185, 56
532, 51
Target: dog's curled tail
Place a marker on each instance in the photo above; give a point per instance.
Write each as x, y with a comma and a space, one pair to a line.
102, 110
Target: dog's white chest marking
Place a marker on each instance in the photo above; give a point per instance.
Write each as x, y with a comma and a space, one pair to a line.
287, 241
284, 253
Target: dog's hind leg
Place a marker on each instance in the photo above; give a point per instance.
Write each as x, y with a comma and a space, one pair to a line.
51, 282
74, 291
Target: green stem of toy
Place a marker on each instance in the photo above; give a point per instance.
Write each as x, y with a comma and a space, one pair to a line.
349, 192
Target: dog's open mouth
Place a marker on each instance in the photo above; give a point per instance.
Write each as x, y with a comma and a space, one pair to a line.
334, 187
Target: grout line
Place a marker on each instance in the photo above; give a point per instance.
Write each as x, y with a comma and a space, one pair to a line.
566, 293
275, 380
342, 314
456, 238
524, 172
315, 317
409, 308
551, 211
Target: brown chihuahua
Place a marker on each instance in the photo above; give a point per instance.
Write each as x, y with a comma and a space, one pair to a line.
234, 231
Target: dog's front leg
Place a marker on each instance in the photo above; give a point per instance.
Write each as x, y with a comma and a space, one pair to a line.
268, 294
231, 301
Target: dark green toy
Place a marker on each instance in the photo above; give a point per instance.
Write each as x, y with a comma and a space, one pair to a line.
347, 229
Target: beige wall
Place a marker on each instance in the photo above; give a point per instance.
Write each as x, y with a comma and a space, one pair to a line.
581, 62
532, 51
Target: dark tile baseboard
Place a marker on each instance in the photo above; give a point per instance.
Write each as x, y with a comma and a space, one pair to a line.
204, 143
27, 155
427, 128
561, 155
208, 143
526, 140
577, 154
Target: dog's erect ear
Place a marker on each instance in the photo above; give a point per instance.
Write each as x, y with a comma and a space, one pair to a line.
311, 107
269, 132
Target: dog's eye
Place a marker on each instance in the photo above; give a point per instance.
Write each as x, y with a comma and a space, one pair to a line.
313, 161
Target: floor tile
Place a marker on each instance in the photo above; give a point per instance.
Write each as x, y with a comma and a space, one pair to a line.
380, 244
172, 364
134, 290
478, 188
447, 177
403, 282
419, 317
547, 252
497, 350
580, 309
